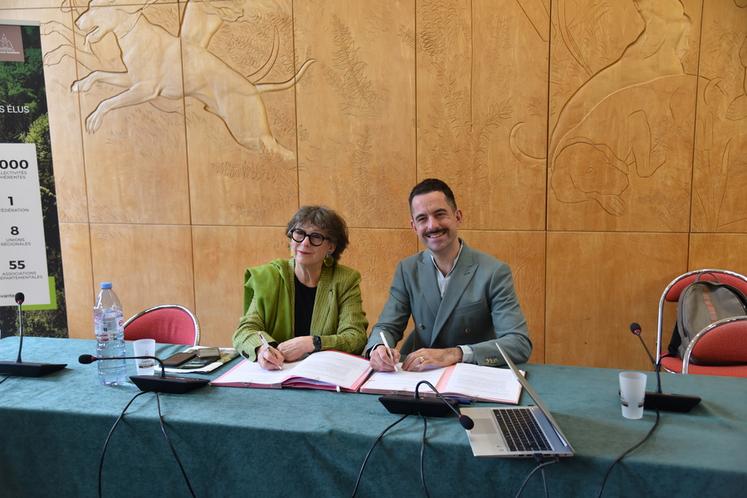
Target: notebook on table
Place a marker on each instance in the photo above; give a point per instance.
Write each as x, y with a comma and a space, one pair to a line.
327, 370
461, 381
516, 431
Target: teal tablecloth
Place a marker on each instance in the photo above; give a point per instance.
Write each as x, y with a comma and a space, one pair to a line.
252, 442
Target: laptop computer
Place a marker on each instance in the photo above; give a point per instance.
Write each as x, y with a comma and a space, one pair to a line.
516, 431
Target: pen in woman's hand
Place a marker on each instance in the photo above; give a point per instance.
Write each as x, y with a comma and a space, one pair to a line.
267, 348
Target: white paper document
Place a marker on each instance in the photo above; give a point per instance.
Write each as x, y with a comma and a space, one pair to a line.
461, 381
323, 370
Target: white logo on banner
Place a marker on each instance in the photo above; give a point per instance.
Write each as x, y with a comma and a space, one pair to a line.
6, 47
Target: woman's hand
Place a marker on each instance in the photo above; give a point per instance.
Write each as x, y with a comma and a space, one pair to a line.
270, 358
296, 348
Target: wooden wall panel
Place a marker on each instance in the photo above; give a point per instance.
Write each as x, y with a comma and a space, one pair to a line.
147, 264
356, 108
726, 251
622, 121
28, 5
525, 254
720, 166
597, 284
22, 4
77, 270
599, 164
375, 254
134, 143
477, 99
241, 132
221, 254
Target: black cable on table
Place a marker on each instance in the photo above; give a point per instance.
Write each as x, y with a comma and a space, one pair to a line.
6, 378
540, 466
108, 437
632, 448
173, 450
422, 454
365, 460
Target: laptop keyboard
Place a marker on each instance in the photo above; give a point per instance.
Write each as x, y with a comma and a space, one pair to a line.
521, 431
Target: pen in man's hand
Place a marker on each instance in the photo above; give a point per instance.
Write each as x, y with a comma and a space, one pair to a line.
388, 349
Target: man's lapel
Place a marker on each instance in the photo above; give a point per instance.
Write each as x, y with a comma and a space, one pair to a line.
428, 283
464, 272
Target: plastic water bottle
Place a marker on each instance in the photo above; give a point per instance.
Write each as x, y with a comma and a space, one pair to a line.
108, 320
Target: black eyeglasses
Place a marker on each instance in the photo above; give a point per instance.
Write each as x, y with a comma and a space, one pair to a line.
315, 239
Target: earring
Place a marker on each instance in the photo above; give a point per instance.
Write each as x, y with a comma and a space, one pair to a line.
328, 260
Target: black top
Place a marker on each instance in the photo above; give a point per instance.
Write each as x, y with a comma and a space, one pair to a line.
304, 308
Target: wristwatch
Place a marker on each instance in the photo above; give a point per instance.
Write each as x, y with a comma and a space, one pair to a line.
317, 343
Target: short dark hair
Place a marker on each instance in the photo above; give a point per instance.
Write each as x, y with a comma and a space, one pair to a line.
325, 219
433, 185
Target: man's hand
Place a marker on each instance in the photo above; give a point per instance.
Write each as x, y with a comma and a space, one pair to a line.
296, 348
270, 358
428, 359
382, 361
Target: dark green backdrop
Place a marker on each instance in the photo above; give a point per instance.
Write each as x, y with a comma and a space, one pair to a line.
22, 84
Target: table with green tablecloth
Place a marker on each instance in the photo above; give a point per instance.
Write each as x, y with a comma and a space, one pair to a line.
257, 442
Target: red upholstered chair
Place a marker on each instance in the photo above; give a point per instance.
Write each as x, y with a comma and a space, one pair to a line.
166, 323
724, 341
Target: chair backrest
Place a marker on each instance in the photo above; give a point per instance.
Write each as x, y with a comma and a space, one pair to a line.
674, 289
166, 323
723, 342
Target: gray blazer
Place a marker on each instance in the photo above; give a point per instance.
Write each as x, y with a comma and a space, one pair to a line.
479, 307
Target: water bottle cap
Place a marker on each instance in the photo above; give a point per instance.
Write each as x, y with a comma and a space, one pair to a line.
106, 285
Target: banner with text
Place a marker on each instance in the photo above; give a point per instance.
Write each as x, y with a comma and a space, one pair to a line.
23, 253
30, 259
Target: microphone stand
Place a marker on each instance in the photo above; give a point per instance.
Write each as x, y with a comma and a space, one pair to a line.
20, 369
440, 407
659, 400
160, 384
666, 401
19, 301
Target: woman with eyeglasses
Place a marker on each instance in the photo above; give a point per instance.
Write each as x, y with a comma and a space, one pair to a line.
308, 303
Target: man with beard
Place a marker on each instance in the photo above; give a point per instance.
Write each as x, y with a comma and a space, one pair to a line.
462, 301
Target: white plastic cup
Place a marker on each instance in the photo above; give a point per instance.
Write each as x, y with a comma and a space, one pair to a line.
632, 392
145, 347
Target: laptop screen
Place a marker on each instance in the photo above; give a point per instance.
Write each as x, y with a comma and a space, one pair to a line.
532, 394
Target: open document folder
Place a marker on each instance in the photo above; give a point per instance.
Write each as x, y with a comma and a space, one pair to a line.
460, 381
326, 370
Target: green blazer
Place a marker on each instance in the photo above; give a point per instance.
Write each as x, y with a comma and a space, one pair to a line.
479, 308
269, 300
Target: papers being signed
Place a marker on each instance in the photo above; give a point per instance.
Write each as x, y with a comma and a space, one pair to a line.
460, 381
324, 370
331, 370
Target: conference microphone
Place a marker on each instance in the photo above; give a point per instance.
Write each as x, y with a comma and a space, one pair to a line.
20, 298
659, 400
406, 405
161, 384
18, 368
635, 328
